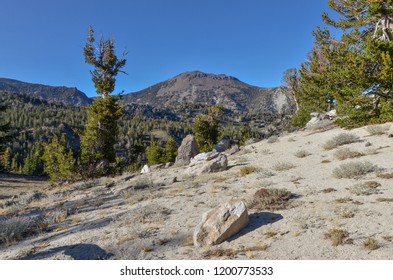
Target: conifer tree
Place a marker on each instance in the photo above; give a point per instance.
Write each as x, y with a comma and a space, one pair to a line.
170, 150
4, 136
60, 164
206, 129
99, 137
357, 74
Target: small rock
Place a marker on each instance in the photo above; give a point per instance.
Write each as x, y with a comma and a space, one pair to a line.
200, 158
368, 144
221, 223
145, 169
156, 167
217, 164
222, 146
166, 181
168, 164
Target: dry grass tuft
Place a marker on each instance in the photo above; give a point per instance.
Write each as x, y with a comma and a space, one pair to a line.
385, 175
370, 244
328, 190
337, 236
383, 199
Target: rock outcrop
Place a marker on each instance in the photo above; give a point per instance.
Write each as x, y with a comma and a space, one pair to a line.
187, 150
221, 223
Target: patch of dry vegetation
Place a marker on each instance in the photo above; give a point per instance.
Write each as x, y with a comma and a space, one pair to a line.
283, 166
271, 199
246, 170
337, 236
365, 188
346, 153
370, 244
340, 140
354, 169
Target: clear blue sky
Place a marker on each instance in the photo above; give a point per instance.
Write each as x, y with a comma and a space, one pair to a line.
254, 40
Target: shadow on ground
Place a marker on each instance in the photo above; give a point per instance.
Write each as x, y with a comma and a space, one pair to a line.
77, 252
257, 220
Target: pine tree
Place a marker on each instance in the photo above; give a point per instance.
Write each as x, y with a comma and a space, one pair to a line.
33, 164
6, 161
206, 129
155, 154
60, 163
170, 150
99, 137
357, 74
4, 136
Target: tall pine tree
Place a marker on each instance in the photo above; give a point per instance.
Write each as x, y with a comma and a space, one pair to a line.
99, 137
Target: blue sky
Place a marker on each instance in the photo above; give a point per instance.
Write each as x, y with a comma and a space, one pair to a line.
254, 40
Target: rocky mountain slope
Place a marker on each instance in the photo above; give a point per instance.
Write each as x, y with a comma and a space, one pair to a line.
337, 204
193, 90
62, 94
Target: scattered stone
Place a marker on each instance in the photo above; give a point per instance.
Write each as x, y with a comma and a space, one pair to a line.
187, 150
319, 120
222, 146
217, 164
234, 150
221, 223
145, 169
156, 167
368, 144
202, 157
166, 181
168, 164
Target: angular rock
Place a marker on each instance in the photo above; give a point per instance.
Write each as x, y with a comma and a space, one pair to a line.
202, 157
187, 150
222, 146
217, 164
145, 169
221, 223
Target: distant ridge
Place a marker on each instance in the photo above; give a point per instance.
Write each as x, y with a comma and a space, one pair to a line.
194, 88
55, 93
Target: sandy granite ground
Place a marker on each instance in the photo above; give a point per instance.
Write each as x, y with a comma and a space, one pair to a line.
151, 217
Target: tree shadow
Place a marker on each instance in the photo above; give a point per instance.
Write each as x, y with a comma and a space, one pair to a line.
77, 252
257, 220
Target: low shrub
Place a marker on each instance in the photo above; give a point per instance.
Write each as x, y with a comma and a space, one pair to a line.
354, 169
340, 140
365, 188
346, 153
246, 170
271, 199
14, 229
